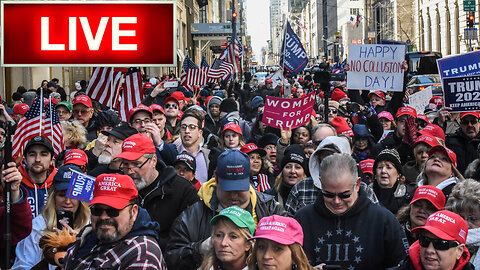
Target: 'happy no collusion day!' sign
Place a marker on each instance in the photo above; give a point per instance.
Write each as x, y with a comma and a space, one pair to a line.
108, 33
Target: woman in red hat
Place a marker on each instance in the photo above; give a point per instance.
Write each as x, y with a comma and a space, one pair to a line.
232, 136
261, 171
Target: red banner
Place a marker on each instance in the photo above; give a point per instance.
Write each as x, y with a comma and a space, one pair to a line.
79, 33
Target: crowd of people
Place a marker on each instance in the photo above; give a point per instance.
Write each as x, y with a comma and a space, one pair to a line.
195, 179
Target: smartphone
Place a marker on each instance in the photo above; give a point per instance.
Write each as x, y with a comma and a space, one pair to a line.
287, 90
171, 84
66, 216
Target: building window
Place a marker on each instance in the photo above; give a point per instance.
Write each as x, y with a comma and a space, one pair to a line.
354, 11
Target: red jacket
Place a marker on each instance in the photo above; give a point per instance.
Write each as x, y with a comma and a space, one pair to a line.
21, 219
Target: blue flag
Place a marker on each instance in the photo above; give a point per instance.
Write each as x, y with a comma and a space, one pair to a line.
81, 187
294, 57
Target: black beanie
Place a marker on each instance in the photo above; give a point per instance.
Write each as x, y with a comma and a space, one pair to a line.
268, 138
389, 155
294, 153
228, 105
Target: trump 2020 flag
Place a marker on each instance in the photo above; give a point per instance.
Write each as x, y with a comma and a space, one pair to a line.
294, 57
81, 186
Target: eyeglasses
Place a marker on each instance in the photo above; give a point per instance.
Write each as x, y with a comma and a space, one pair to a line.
191, 127
334, 111
123, 166
438, 244
465, 122
140, 121
171, 105
343, 195
81, 111
111, 212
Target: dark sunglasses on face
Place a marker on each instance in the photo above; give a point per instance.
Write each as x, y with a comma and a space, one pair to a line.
438, 244
334, 111
466, 121
171, 105
422, 123
343, 195
111, 212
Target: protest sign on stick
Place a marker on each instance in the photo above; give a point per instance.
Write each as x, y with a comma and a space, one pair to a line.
285, 112
420, 99
376, 67
81, 186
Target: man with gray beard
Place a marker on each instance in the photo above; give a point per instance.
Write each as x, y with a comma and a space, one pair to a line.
113, 147
119, 229
162, 192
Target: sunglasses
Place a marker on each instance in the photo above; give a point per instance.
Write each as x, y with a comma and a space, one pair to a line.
438, 244
343, 195
465, 122
171, 105
421, 123
111, 212
334, 111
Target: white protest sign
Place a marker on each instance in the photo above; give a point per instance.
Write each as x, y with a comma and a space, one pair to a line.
420, 99
376, 67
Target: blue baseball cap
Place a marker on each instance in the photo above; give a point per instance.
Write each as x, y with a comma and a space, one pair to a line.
233, 170
61, 180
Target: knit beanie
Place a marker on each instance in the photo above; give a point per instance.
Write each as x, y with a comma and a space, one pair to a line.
338, 94
341, 125
214, 100
268, 139
257, 102
389, 155
294, 153
228, 105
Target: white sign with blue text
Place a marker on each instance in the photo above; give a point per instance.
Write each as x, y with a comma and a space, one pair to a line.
376, 67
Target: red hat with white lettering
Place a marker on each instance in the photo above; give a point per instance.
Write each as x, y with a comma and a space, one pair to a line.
21, 108
406, 111
156, 107
140, 108
83, 99
475, 114
252, 148
423, 117
440, 148
136, 146
434, 130
366, 165
115, 190
379, 94
268, 80
431, 194
436, 100
76, 156
341, 125
233, 127
445, 225
428, 139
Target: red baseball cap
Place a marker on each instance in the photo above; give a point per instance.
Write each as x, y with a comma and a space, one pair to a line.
170, 98
423, 117
140, 108
283, 230
475, 114
445, 225
341, 125
436, 100
178, 95
366, 165
406, 111
379, 94
251, 147
115, 190
428, 139
233, 127
136, 146
76, 156
21, 108
156, 107
451, 155
83, 99
147, 85
385, 114
269, 80
431, 194
434, 130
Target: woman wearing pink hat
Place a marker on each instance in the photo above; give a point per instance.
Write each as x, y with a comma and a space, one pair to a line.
278, 245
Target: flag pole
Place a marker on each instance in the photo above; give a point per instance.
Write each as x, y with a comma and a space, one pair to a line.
111, 87
283, 54
51, 118
42, 107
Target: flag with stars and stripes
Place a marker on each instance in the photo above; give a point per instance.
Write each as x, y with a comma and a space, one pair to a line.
131, 94
52, 129
104, 84
232, 52
190, 73
219, 69
28, 127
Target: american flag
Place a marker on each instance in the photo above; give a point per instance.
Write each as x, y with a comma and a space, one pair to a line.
28, 127
100, 85
132, 93
192, 74
219, 69
232, 52
52, 129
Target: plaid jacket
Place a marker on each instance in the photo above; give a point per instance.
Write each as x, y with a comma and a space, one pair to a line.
137, 252
305, 192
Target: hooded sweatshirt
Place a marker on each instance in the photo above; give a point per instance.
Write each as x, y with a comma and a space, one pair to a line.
138, 249
36, 194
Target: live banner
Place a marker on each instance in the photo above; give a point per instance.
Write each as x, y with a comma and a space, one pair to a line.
376, 67
462, 93
285, 112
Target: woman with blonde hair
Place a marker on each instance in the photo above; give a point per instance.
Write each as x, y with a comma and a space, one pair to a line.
74, 135
28, 251
229, 245
278, 247
231, 136
440, 170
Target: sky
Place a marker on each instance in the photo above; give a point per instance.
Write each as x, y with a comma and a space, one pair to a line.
258, 24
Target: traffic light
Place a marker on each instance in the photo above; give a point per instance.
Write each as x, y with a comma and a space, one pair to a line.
470, 19
234, 15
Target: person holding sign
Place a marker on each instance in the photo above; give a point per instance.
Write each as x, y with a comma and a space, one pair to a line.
28, 251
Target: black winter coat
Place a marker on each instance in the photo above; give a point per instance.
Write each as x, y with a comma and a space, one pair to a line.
367, 236
465, 148
192, 227
166, 198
